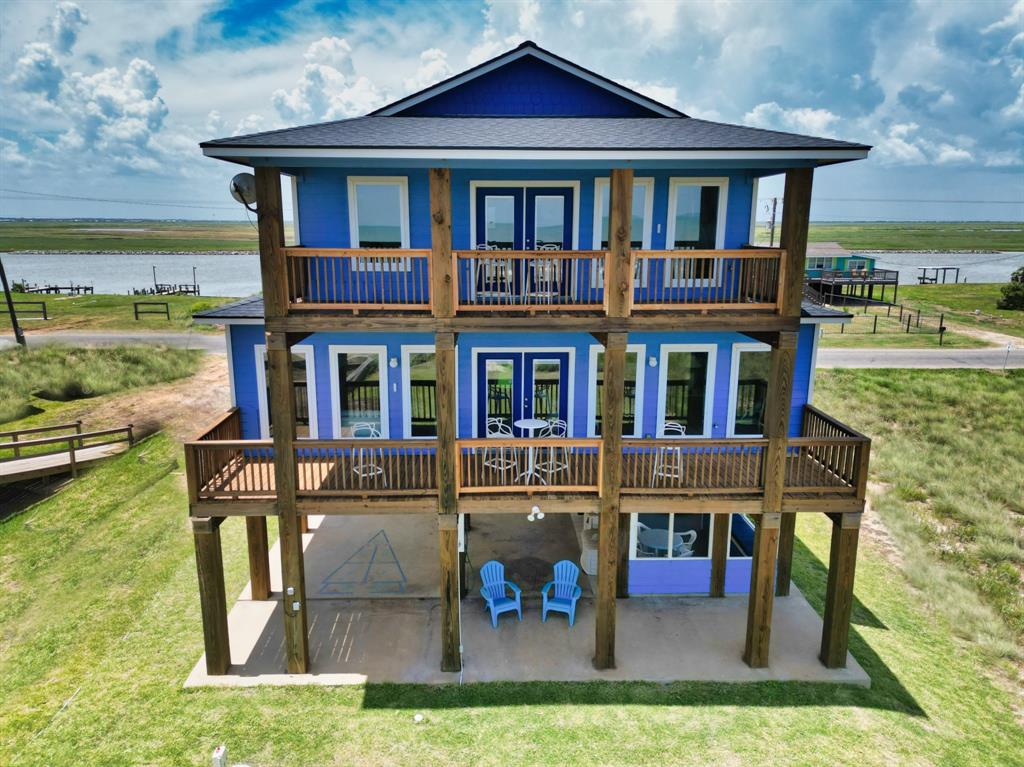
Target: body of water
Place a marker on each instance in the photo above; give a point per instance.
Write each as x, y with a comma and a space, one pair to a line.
239, 274
234, 274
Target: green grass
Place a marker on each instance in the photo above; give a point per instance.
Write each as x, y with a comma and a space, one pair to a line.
948, 450
920, 235
959, 303
109, 312
888, 332
126, 235
101, 626
59, 373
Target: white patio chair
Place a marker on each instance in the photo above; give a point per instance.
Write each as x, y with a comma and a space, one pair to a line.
668, 461
367, 460
492, 277
502, 459
682, 543
555, 459
542, 280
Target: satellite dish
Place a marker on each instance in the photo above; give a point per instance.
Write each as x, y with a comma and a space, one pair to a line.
243, 189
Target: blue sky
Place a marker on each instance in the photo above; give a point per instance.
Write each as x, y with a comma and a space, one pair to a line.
110, 99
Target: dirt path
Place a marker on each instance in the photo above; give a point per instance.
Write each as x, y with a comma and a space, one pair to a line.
1002, 339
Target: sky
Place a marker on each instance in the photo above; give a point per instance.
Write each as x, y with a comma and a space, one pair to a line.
109, 100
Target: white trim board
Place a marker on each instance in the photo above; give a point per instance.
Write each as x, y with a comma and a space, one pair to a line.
641, 363
709, 391
734, 383
384, 386
353, 209
307, 351
231, 365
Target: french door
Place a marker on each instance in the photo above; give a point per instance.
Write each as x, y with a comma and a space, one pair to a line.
524, 218
516, 385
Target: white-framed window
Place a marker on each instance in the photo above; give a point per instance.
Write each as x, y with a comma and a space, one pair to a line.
419, 392
670, 536
640, 225
819, 262
359, 388
686, 387
633, 405
748, 389
696, 221
378, 212
741, 537
304, 381
290, 190
856, 264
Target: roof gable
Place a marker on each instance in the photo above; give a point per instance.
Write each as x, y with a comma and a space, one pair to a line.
528, 82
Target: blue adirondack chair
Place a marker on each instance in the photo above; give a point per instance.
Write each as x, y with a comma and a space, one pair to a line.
495, 592
566, 591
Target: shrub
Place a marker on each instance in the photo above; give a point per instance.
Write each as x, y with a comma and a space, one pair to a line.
1013, 292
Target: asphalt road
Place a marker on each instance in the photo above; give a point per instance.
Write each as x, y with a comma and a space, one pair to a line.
827, 358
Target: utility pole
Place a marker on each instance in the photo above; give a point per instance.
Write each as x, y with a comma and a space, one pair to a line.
771, 223
19, 336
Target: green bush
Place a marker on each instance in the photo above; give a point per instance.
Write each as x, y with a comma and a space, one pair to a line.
1013, 292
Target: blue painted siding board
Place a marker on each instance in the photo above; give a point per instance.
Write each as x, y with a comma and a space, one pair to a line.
244, 339
528, 87
802, 374
680, 576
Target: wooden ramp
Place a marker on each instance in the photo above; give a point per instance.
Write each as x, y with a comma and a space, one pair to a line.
61, 454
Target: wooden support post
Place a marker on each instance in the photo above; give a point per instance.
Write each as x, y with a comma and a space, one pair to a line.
762, 583
719, 554
445, 364
259, 557
784, 572
443, 283
835, 634
622, 568
303, 524
273, 270
212, 600
619, 263
608, 553
796, 216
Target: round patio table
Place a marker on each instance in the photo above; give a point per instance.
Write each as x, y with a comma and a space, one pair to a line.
530, 425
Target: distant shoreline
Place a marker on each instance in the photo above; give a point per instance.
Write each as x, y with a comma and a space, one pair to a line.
139, 251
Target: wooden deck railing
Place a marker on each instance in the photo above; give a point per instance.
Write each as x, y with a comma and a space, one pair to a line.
528, 465
831, 448
360, 278
358, 467
222, 465
64, 443
15, 440
697, 466
529, 280
707, 279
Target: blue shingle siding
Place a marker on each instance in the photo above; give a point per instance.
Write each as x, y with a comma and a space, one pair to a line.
528, 87
244, 339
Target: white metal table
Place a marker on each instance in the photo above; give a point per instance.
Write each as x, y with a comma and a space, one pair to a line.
530, 425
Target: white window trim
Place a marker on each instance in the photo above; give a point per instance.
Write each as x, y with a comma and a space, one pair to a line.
641, 363
231, 364
523, 350
407, 352
294, 180
634, 519
709, 398
722, 182
307, 351
382, 353
574, 185
601, 187
353, 212
734, 384
863, 263
728, 547
818, 262
814, 364
752, 231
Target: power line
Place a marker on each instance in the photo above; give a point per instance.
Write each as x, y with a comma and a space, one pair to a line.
907, 199
24, 194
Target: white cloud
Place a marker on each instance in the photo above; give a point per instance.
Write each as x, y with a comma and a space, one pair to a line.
816, 122
666, 94
65, 25
37, 70
507, 24
947, 154
433, 68
329, 88
251, 124
11, 155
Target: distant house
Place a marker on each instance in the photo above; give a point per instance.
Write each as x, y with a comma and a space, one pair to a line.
849, 278
529, 284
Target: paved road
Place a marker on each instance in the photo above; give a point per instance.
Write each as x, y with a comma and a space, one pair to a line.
921, 358
827, 358
210, 343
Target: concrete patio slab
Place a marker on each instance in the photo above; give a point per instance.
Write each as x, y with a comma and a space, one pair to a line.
659, 639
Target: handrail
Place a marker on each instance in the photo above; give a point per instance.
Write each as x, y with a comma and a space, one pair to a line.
366, 467
41, 429
739, 253
681, 465
77, 437
229, 421
529, 280
537, 465
357, 279
735, 279
811, 410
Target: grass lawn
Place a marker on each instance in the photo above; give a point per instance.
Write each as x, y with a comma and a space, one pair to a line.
959, 303
126, 235
109, 312
30, 379
948, 459
92, 674
887, 332
920, 235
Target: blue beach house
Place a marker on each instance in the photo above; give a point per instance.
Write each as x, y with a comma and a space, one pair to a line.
531, 286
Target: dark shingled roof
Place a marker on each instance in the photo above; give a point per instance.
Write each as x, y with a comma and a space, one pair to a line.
252, 309
579, 133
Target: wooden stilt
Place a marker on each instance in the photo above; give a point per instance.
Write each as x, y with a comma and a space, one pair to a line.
448, 541
835, 635
442, 280
622, 570
212, 600
719, 554
762, 590
784, 572
444, 358
303, 524
259, 556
